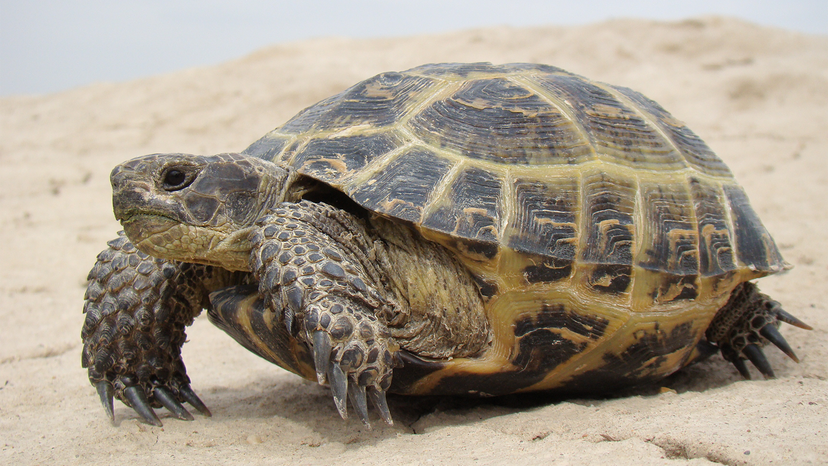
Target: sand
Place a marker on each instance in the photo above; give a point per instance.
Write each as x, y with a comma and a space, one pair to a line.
757, 95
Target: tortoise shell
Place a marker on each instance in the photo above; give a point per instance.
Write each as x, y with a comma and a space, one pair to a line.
603, 232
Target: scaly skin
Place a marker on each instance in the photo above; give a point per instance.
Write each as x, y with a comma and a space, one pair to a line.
137, 308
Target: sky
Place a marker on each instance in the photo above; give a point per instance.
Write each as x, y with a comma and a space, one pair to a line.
52, 45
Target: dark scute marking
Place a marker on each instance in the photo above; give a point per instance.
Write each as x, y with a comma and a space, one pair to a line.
379, 101
500, 121
200, 207
266, 148
471, 209
413, 370
687, 286
549, 269
611, 278
754, 245
609, 205
477, 249
487, 289
613, 128
692, 148
402, 189
540, 349
331, 159
226, 306
545, 221
543, 350
674, 246
637, 364
715, 246
558, 317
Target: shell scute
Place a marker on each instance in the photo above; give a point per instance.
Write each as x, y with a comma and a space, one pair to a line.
470, 208
671, 235
337, 159
544, 227
715, 242
376, 102
694, 151
615, 129
609, 219
546, 217
754, 246
403, 188
498, 120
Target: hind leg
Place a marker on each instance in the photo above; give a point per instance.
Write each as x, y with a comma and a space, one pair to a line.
748, 322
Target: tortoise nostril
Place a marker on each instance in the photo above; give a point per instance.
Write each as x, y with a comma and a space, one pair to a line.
116, 177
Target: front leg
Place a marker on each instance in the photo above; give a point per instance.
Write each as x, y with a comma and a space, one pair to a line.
313, 262
137, 308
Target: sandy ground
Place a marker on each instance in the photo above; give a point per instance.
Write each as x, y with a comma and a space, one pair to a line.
758, 96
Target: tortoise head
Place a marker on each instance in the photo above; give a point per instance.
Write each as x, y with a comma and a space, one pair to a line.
195, 208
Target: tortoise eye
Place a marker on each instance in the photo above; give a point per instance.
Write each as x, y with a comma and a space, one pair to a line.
175, 180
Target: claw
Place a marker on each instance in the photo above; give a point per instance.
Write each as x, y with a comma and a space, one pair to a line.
295, 298
321, 354
742, 368
189, 395
106, 392
356, 393
378, 398
289, 315
731, 355
771, 333
168, 400
339, 386
138, 400
757, 357
791, 320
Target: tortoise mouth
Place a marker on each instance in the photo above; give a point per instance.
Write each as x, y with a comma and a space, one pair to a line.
140, 227
166, 238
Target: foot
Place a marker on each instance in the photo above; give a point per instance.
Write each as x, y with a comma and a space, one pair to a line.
136, 309
747, 323
331, 299
350, 353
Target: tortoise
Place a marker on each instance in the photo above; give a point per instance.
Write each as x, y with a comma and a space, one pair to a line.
453, 229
